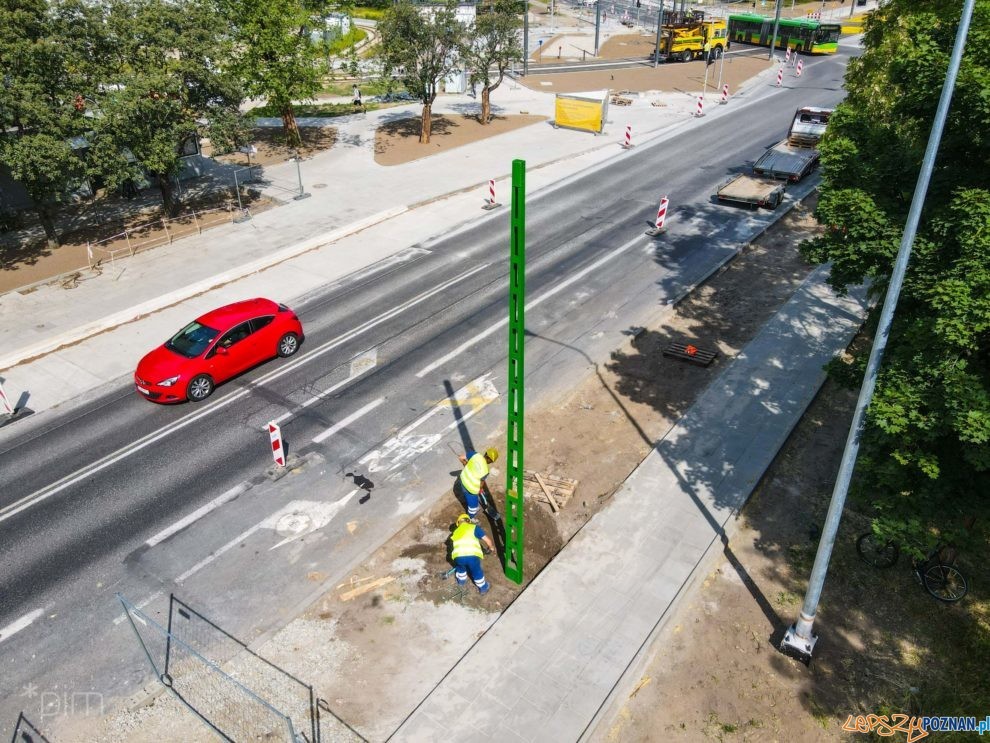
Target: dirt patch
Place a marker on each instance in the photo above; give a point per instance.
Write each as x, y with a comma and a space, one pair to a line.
670, 77
397, 142
610, 421
272, 149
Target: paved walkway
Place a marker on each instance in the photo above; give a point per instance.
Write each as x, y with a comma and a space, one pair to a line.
65, 343
570, 643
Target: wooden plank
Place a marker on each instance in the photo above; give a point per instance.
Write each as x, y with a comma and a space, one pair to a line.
546, 491
348, 595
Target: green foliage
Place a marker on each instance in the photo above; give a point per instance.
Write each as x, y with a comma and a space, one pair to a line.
925, 457
43, 68
421, 42
165, 77
346, 42
491, 46
274, 55
375, 12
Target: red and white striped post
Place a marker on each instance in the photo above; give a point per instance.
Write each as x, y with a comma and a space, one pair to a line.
8, 409
661, 218
278, 451
700, 110
780, 76
628, 142
491, 203
800, 65
787, 56
725, 94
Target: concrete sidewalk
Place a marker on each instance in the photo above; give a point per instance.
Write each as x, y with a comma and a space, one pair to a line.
573, 641
78, 339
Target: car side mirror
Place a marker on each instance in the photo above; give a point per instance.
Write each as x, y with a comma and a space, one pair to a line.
222, 350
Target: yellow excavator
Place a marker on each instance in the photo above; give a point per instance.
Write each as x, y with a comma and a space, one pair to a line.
684, 35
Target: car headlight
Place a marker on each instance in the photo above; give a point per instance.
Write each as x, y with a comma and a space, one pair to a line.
168, 382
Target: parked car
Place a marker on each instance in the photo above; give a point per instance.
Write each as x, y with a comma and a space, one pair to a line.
219, 345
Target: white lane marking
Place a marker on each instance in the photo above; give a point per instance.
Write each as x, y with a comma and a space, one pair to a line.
18, 624
139, 605
216, 553
360, 364
306, 517
81, 474
407, 445
288, 517
345, 422
478, 337
196, 515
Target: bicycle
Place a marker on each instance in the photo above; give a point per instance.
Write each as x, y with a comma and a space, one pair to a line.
937, 572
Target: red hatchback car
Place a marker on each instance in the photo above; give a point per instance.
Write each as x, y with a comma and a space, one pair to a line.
219, 345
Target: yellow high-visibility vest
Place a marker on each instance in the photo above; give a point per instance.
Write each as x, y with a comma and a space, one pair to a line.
473, 473
465, 543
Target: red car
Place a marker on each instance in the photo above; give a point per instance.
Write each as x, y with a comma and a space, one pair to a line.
219, 345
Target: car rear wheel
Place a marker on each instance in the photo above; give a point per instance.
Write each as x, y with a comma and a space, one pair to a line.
288, 344
686, 56
199, 388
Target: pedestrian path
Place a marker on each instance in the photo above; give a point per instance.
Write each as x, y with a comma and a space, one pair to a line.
60, 344
552, 663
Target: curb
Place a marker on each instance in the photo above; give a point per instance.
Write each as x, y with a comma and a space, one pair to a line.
83, 332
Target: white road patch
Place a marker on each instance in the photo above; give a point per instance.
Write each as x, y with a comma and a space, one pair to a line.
18, 624
303, 517
345, 422
559, 287
360, 364
297, 518
409, 443
196, 515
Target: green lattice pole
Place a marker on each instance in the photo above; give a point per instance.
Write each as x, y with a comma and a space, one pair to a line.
517, 338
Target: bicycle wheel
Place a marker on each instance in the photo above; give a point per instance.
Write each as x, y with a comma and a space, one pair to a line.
944, 582
877, 554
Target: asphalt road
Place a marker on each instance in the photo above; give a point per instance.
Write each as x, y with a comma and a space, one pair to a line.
93, 501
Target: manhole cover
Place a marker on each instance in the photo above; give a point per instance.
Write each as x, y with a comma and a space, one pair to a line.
319, 185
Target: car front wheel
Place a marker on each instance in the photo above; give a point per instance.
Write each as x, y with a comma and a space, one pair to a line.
288, 344
199, 388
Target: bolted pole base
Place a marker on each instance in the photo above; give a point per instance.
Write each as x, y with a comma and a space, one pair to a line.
489, 205
656, 232
301, 196
798, 647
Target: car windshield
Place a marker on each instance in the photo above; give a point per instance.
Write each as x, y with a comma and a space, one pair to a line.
192, 340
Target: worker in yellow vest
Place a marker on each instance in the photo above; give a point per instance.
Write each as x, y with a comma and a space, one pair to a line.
467, 554
472, 478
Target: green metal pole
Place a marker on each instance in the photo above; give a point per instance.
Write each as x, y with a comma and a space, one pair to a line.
517, 338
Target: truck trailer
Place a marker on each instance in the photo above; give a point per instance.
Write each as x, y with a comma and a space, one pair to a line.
794, 157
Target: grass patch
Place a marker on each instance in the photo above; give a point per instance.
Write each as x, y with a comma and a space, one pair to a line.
374, 14
345, 42
328, 110
368, 88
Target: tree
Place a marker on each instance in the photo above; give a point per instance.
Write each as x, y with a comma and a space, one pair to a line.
164, 84
422, 43
925, 455
275, 57
42, 80
493, 42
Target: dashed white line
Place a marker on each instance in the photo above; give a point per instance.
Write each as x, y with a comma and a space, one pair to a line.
478, 337
81, 474
345, 422
196, 515
18, 624
139, 605
214, 555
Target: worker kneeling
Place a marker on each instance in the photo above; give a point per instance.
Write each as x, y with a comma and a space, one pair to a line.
466, 552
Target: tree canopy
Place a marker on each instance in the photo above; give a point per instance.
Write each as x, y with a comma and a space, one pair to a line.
491, 46
925, 456
421, 43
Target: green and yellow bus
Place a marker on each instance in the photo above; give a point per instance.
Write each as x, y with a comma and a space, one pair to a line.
798, 34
